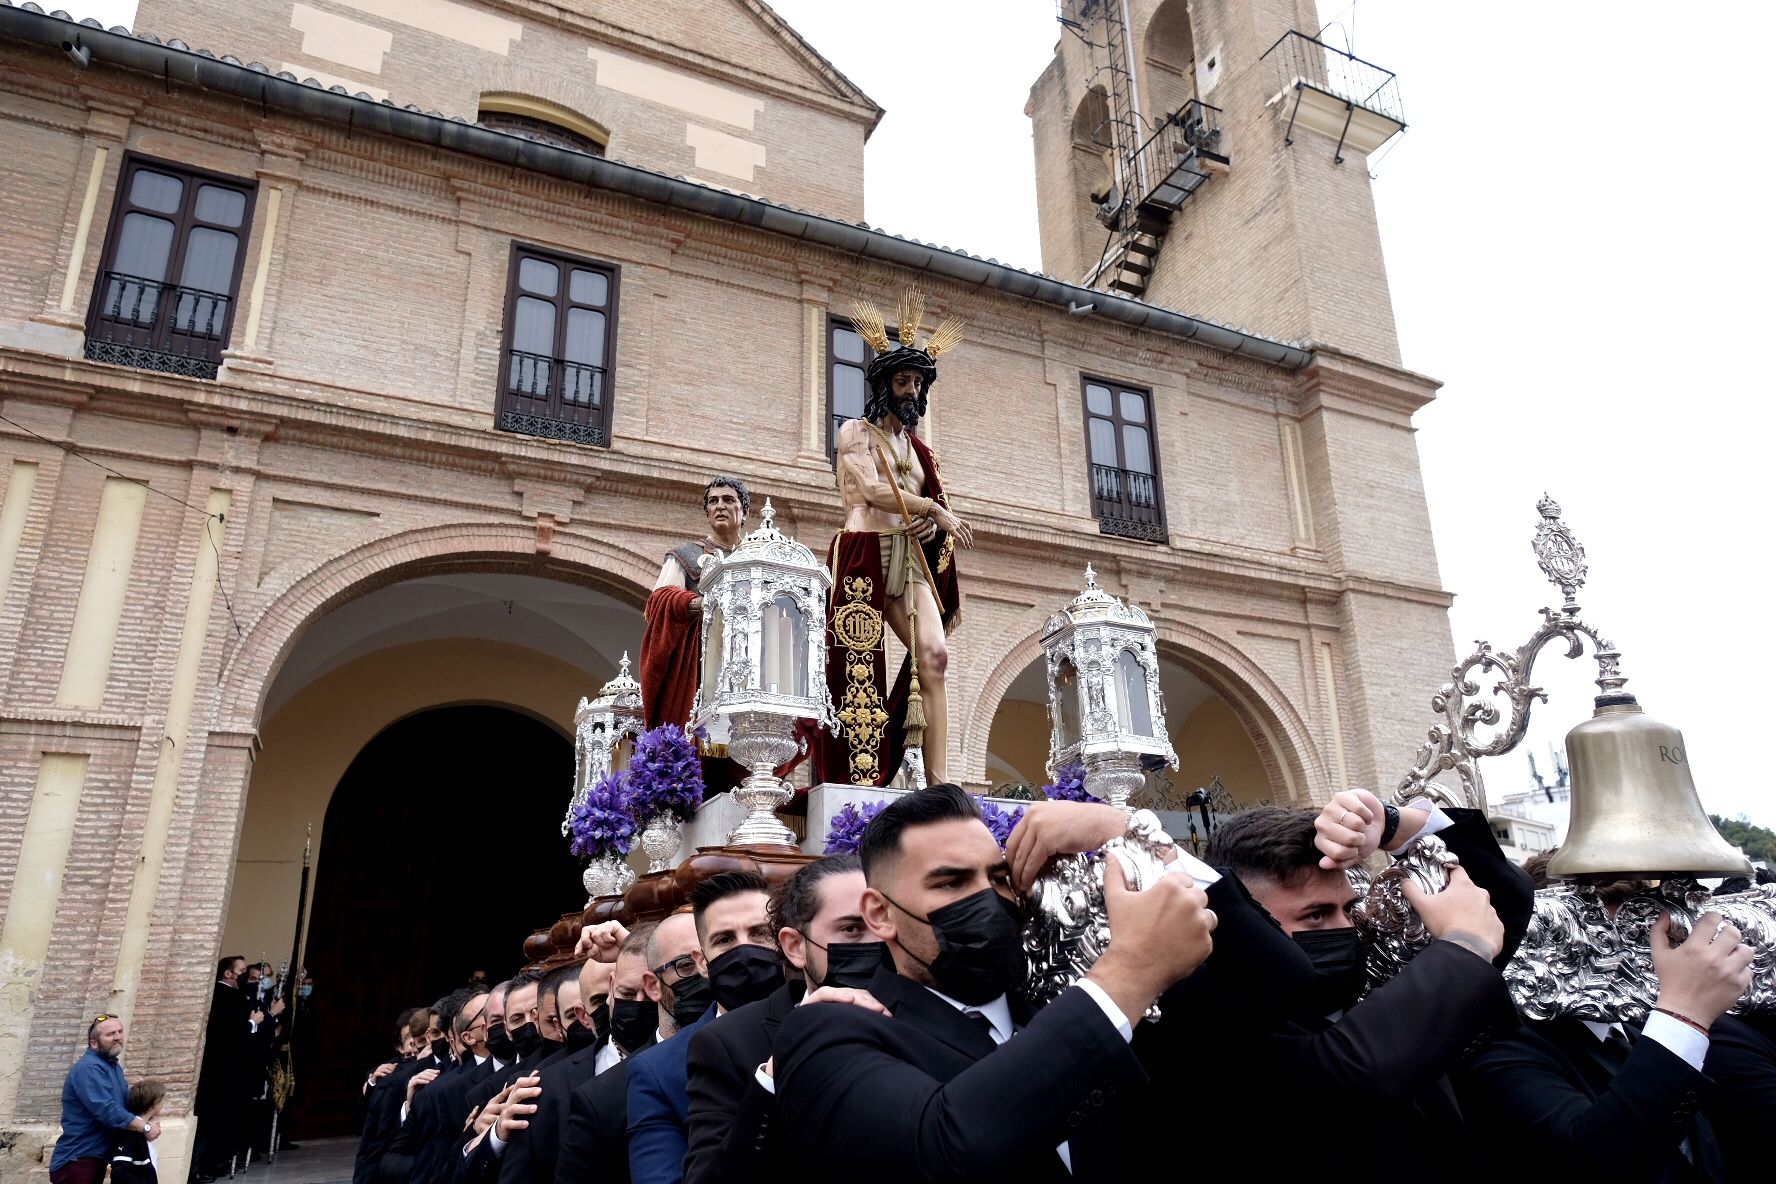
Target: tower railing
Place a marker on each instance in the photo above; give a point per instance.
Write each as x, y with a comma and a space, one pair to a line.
1300, 60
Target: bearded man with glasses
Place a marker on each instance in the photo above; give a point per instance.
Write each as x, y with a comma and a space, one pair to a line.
94, 1104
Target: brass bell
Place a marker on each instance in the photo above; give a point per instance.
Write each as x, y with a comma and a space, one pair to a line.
1635, 813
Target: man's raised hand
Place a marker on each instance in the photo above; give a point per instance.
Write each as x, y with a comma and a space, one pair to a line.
1348, 829
1704, 976
1157, 936
1461, 913
601, 942
515, 1114
1059, 828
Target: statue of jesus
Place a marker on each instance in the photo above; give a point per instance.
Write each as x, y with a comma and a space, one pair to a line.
893, 560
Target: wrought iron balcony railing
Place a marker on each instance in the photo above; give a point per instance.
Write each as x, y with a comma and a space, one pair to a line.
1177, 158
1335, 93
153, 325
555, 397
1127, 503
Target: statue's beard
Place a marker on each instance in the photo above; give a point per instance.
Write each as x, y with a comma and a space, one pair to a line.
907, 411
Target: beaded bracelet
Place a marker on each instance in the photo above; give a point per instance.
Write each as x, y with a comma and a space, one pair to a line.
1682, 1019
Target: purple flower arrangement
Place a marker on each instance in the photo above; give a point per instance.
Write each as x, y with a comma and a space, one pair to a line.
846, 832
665, 776
999, 820
602, 824
1069, 785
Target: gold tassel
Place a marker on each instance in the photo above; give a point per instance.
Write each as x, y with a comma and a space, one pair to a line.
912, 308
946, 337
867, 320
915, 707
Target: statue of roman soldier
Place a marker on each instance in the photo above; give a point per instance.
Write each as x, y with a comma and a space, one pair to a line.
893, 561
671, 644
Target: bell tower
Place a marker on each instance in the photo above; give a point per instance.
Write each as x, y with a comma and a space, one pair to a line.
1209, 156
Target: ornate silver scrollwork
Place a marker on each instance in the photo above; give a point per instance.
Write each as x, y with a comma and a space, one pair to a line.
1066, 928
1455, 745
1575, 959
1392, 932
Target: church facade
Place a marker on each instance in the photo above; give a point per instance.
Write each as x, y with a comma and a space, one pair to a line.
359, 364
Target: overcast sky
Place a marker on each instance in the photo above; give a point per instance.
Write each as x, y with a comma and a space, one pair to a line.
1575, 231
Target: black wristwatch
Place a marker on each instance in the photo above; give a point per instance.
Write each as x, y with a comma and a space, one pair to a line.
1391, 825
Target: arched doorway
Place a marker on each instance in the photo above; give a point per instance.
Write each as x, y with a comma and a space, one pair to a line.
1212, 740
465, 671
439, 860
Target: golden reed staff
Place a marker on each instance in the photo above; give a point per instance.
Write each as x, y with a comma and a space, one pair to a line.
915, 710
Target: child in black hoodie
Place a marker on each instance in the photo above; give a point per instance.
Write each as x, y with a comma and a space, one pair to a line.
133, 1157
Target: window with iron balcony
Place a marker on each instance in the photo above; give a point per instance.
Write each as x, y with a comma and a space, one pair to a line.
169, 275
560, 336
847, 361
1128, 496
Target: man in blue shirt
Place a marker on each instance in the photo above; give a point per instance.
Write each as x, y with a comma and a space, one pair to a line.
94, 1106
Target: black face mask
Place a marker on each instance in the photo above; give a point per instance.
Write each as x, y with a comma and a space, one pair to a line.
852, 964
499, 1043
980, 947
441, 1049
1338, 958
600, 1015
580, 1036
691, 997
745, 974
632, 1022
527, 1039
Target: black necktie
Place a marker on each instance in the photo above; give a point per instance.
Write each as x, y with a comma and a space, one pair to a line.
979, 1020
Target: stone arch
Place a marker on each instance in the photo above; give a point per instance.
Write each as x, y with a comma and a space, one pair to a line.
1169, 41
1282, 738
1284, 741
1091, 121
1169, 58
521, 110
248, 672
586, 107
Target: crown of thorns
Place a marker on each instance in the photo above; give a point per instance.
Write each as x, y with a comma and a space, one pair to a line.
870, 324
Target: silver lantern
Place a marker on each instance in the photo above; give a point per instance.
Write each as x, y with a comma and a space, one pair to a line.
601, 727
764, 667
1104, 702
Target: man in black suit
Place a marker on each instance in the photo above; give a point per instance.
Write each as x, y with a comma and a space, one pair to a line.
595, 1143
435, 1113
393, 1095
1603, 1099
943, 1090
737, 962
1392, 1050
818, 917
531, 1130
1283, 982
474, 1157
222, 1080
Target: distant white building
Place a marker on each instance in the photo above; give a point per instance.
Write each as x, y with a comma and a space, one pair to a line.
1535, 819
